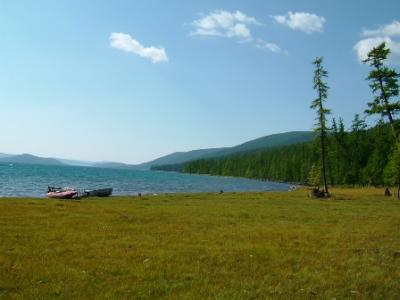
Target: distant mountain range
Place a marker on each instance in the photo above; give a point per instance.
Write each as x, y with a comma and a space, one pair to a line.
30, 159
4, 155
275, 140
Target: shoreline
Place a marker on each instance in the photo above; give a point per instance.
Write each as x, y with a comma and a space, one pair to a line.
298, 189
178, 194
234, 177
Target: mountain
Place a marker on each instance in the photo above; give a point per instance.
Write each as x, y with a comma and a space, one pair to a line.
274, 140
269, 141
33, 159
180, 157
2, 155
30, 159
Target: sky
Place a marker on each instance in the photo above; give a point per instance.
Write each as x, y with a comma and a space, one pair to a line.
130, 81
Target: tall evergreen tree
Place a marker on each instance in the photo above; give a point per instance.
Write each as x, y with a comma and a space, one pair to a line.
318, 104
380, 143
343, 151
384, 85
357, 154
333, 154
314, 177
338, 153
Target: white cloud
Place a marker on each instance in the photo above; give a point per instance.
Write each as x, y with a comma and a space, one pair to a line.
225, 24
222, 23
261, 44
303, 21
392, 29
125, 42
377, 36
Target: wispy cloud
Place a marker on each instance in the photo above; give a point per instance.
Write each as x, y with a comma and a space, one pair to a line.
261, 44
125, 42
225, 24
309, 23
236, 25
392, 29
373, 37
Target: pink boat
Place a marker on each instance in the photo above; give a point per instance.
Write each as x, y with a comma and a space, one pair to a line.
66, 193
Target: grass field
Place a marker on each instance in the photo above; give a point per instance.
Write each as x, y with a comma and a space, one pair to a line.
202, 246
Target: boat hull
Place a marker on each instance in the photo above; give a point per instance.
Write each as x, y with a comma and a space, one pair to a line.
99, 193
62, 194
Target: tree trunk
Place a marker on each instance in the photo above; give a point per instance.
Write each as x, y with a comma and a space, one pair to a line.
396, 133
398, 191
323, 162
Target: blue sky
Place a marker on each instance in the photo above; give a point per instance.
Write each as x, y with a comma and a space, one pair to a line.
133, 80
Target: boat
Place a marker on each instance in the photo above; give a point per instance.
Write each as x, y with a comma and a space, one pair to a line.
99, 192
61, 193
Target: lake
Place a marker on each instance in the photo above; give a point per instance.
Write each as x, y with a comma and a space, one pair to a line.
23, 180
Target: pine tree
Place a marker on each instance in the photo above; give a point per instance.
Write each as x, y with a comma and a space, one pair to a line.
314, 177
318, 104
358, 152
342, 138
384, 85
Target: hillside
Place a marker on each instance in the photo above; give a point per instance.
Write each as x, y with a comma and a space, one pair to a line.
269, 141
180, 157
30, 159
274, 140
361, 156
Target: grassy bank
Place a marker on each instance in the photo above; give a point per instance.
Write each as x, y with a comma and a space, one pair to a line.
202, 246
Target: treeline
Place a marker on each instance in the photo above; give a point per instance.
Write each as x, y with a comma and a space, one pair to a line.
358, 156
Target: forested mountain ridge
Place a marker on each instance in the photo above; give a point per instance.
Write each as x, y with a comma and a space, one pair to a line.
359, 156
179, 157
269, 141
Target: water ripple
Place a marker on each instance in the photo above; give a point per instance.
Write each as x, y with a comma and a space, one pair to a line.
21, 180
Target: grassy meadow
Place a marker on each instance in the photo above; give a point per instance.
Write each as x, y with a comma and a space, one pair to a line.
202, 246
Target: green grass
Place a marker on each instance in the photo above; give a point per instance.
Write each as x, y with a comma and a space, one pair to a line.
202, 246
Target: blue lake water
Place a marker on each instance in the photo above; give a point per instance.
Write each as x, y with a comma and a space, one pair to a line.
22, 180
